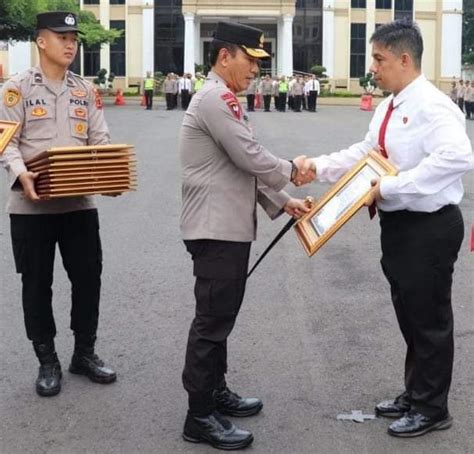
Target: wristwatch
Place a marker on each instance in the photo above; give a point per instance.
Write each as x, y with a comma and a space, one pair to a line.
294, 171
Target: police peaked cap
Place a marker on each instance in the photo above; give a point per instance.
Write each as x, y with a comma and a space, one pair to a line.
57, 21
249, 39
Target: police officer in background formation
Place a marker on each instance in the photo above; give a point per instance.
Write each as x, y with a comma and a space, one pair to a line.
250, 94
424, 135
266, 88
55, 108
149, 88
170, 88
225, 171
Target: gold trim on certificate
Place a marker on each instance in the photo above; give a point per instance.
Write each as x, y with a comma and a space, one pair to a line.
341, 202
7, 131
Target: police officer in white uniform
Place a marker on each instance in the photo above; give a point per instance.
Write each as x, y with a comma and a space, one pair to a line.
423, 133
55, 108
225, 171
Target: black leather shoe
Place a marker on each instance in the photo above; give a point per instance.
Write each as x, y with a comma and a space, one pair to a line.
393, 408
217, 431
230, 403
414, 424
48, 382
93, 367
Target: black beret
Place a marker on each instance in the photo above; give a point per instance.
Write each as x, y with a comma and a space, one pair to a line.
249, 39
57, 21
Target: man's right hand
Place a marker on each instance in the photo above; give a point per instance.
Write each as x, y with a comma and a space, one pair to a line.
27, 180
306, 171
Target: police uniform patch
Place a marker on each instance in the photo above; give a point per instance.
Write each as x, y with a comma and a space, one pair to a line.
80, 128
233, 104
79, 93
98, 100
11, 97
39, 112
80, 112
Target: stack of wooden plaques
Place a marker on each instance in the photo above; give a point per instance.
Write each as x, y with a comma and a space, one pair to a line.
86, 170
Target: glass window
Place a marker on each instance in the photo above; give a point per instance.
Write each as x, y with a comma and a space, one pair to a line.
383, 4
307, 35
169, 36
117, 2
358, 3
403, 9
117, 50
91, 60
91, 2
358, 32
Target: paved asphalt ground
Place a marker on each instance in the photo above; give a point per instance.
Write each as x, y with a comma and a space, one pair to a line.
316, 337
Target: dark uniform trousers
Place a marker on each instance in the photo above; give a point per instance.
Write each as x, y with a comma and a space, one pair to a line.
170, 101
312, 100
282, 101
220, 268
34, 239
297, 103
185, 98
267, 99
418, 255
149, 99
250, 103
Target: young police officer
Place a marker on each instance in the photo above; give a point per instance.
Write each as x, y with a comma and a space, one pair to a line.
225, 172
55, 108
423, 133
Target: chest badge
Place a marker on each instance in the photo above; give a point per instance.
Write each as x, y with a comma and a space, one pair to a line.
39, 112
80, 112
79, 93
11, 97
405, 120
80, 128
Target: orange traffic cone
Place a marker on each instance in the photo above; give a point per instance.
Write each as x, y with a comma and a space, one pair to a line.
143, 101
119, 99
366, 102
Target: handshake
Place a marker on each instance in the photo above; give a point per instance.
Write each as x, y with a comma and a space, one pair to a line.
303, 171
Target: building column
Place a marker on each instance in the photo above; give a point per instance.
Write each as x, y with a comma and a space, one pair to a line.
287, 45
104, 12
328, 37
197, 42
148, 38
369, 31
451, 36
279, 50
189, 37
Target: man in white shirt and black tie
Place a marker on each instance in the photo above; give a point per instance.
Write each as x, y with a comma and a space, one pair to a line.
311, 91
185, 86
423, 133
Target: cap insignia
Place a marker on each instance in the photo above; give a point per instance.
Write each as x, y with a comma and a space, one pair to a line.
69, 20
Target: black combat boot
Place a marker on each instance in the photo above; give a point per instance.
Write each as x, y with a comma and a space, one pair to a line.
48, 382
85, 362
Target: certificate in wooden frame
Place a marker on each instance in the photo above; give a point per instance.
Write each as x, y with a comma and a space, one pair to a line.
341, 202
7, 131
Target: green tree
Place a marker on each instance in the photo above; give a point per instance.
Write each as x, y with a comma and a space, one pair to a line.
18, 19
468, 32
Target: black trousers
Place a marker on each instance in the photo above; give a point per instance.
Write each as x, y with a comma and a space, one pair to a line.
149, 99
185, 98
170, 101
282, 102
251, 103
267, 99
312, 100
469, 108
461, 103
34, 239
290, 102
418, 255
220, 268
297, 103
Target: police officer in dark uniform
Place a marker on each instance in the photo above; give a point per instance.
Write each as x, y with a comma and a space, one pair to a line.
55, 108
225, 172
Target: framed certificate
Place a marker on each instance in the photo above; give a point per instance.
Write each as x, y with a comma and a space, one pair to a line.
341, 202
7, 131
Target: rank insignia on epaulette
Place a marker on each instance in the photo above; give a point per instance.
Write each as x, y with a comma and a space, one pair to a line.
38, 78
39, 112
98, 100
11, 97
233, 104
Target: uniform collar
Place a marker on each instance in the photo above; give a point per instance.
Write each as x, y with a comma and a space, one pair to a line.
409, 91
40, 79
213, 76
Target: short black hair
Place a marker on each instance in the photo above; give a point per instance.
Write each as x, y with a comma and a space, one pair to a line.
216, 46
401, 36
